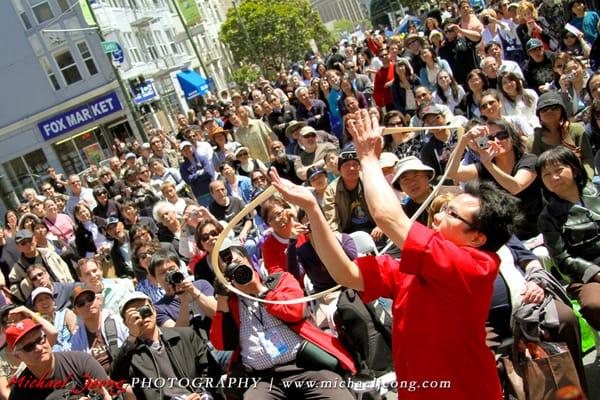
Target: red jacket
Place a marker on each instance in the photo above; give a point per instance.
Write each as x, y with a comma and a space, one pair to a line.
381, 94
274, 255
283, 287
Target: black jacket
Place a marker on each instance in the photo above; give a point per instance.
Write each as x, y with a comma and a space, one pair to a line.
572, 235
187, 351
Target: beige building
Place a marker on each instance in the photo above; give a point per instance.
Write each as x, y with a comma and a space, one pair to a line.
332, 10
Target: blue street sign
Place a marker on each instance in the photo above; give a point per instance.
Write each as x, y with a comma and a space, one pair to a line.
80, 116
147, 93
118, 55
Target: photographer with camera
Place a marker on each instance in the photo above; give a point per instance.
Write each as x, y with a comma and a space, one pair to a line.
151, 352
276, 342
184, 300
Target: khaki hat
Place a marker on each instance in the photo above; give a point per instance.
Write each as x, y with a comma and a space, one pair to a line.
412, 163
294, 126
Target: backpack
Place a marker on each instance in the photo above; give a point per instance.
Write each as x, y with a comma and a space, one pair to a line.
366, 331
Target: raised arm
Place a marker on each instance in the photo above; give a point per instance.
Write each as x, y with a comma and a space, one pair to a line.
381, 199
341, 268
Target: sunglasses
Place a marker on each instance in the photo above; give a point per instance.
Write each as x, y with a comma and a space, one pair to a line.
205, 236
81, 302
37, 276
502, 135
485, 106
29, 347
395, 123
143, 255
550, 108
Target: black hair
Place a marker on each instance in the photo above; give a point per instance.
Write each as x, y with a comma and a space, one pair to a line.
587, 85
453, 87
161, 257
201, 226
562, 155
498, 213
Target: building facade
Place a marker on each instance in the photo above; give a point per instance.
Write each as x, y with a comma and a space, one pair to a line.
61, 104
333, 10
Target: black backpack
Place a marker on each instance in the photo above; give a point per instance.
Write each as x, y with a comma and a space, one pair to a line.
366, 331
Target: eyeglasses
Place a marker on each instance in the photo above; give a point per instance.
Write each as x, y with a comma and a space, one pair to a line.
29, 347
143, 255
502, 135
82, 301
37, 276
106, 174
311, 135
451, 213
144, 171
485, 106
205, 236
550, 108
102, 194
259, 179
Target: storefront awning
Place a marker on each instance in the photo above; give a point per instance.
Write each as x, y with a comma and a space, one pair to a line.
192, 83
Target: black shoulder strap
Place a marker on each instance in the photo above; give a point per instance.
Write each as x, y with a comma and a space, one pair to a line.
110, 327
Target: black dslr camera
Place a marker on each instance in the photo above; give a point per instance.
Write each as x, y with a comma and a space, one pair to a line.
145, 311
239, 273
174, 277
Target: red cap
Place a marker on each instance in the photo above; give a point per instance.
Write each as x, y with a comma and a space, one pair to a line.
15, 332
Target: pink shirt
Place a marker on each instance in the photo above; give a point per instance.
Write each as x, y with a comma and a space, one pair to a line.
63, 227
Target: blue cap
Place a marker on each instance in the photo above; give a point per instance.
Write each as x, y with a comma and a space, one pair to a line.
533, 44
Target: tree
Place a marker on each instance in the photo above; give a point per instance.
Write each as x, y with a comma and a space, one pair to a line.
342, 27
245, 74
272, 33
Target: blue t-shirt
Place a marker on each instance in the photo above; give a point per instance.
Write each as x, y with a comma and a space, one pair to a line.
168, 307
587, 24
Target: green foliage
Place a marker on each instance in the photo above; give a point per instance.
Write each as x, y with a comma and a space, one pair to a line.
245, 74
272, 33
342, 27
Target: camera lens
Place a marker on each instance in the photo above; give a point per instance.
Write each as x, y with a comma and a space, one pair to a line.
174, 277
240, 273
144, 311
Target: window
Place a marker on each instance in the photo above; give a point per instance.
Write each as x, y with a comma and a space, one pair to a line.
175, 47
50, 73
63, 5
132, 48
150, 47
86, 55
25, 20
27, 171
68, 67
133, 4
41, 10
161, 44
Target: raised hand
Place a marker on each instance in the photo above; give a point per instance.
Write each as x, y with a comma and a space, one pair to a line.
366, 135
295, 194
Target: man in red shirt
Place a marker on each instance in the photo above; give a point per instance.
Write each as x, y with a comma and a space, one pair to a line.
441, 287
382, 86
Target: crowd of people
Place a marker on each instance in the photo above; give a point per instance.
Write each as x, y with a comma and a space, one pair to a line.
108, 277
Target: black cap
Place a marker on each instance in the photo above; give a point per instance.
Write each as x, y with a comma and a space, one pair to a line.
552, 98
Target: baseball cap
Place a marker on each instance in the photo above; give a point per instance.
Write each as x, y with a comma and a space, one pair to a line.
15, 332
79, 290
183, 144
431, 109
239, 150
22, 235
552, 98
111, 221
37, 291
146, 146
130, 155
314, 171
411, 163
131, 297
533, 44
387, 159
347, 154
308, 130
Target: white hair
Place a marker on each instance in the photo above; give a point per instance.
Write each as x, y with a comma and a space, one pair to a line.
160, 206
299, 90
